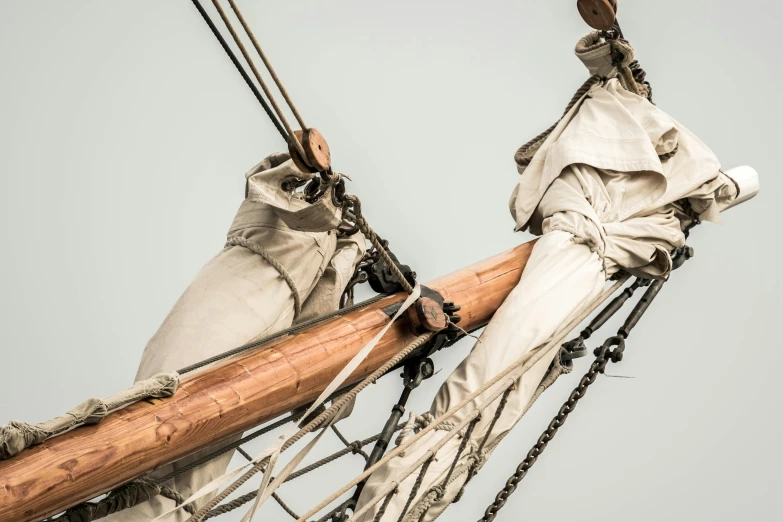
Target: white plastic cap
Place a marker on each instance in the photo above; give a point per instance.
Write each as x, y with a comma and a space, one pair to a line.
747, 181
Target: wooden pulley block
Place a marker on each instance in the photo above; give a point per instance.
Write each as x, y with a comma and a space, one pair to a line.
427, 315
318, 159
598, 14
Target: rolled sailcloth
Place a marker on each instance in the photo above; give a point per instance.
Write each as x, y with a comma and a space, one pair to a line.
18, 435
267, 274
607, 190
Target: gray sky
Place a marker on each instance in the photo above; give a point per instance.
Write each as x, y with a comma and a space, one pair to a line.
126, 132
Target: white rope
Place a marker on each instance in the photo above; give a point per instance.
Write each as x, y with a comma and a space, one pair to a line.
521, 366
272, 452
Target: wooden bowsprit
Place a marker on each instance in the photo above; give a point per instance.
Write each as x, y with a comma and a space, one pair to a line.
231, 397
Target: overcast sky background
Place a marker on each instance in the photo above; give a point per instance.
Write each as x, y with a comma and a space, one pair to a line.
125, 133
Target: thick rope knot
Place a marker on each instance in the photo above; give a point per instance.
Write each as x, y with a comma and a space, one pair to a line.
95, 410
440, 492
414, 424
18, 435
409, 429
479, 459
356, 447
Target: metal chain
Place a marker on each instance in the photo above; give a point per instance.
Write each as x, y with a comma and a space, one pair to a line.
611, 351
361, 224
598, 366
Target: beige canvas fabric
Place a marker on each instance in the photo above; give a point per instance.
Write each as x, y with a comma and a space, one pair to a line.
603, 199
561, 277
249, 290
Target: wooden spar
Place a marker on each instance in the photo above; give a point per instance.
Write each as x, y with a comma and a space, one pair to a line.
230, 397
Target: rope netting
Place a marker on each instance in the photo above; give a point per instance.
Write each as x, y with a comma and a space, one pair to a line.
496, 390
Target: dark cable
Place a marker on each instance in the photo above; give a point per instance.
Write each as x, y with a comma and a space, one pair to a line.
241, 69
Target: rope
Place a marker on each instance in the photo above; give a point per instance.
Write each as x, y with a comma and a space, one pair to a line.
415, 488
640, 77
240, 69
229, 447
282, 333
462, 447
479, 451
525, 153
285, 506
268, 65
522, 365
170, 494
274, 495
261, 82
382, 509
315, 423
370, 234
261, 251
355, 447
244, 499
17, 436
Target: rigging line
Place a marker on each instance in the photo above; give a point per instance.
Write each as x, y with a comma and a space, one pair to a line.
244, 499
314, 424
267, 64
240, 69
292, 138
282, 333
521, 366
220, 451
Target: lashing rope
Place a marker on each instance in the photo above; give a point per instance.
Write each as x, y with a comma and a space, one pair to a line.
315, 423
521, 366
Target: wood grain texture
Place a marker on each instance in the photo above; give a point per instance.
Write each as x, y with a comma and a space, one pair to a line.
318, 155
598, 14
230, 397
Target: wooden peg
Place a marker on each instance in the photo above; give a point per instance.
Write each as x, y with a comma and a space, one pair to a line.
427, 315
316, 149
598, 14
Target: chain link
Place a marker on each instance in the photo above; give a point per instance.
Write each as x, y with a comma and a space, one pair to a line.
603, 357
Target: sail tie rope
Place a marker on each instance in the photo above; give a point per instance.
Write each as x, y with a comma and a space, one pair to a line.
261, 251
416, 423
17, 435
